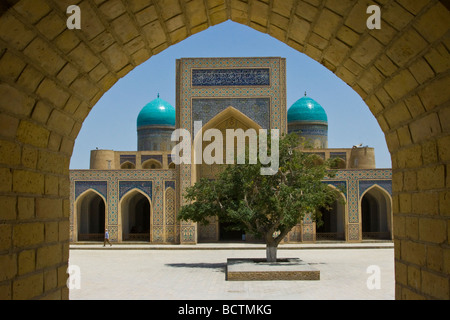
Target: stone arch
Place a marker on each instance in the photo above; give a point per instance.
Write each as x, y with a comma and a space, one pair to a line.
152, 164
130, 228
84, 208
336, 229
339, 163
375, 207
127, 165
52, 77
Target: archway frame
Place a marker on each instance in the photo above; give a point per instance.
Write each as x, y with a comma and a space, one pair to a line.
52, 77
130, 194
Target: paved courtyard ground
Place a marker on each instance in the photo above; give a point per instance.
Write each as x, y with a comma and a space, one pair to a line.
134, 272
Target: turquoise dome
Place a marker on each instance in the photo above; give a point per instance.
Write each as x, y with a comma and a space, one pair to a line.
157, 113
307, 110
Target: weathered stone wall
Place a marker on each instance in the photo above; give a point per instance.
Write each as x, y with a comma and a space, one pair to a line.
51, 77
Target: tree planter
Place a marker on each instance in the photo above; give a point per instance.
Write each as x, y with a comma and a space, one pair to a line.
249, 269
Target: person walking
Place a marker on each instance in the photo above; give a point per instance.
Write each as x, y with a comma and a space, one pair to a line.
106, 238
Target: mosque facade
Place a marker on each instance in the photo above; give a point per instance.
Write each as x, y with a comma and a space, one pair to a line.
136, 194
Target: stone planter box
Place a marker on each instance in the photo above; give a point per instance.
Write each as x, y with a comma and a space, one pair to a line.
261, 270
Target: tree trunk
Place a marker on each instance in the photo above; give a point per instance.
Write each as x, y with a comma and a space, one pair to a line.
271, 252
272, 244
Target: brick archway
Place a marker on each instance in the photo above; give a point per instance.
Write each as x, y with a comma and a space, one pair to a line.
51, 77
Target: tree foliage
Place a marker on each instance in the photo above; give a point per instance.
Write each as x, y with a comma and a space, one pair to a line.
267, 206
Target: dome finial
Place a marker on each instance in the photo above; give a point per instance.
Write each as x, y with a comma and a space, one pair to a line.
305, 93
158, 95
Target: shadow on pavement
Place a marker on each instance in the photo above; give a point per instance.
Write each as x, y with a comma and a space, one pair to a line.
219, 266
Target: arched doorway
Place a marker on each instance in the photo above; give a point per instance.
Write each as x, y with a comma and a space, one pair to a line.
333, 221
135, 216
90, 217
376, 214
233, 119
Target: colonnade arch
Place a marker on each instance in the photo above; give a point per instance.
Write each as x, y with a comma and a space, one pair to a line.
334, 220
376, 213
52, 77
135, 216
90, 209
152, 164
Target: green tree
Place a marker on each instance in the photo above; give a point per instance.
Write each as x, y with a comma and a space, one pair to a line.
267, 206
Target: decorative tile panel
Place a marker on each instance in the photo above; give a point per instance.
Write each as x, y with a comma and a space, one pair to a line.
169, 184
99, 186
205, 78
230, 77
341, 185
126, 186
118, 182
366, 184
353, 179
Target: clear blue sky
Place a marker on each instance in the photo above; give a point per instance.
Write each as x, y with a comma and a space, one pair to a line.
112, 122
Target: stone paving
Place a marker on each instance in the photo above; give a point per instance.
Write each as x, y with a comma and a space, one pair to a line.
198, 273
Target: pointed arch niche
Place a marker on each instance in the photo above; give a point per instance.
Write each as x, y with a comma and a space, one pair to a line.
152, 164
334, 220
90, 208
376, 214
135, 216
230, 118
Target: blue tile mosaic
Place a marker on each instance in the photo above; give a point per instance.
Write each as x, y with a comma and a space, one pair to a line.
341, 185
144, 186
169, 184
230, 77
99, 186
366, 184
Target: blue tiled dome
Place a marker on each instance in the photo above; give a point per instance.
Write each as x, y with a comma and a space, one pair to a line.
157, 113
307, 110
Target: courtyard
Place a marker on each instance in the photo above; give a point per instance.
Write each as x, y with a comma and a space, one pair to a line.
145, 272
